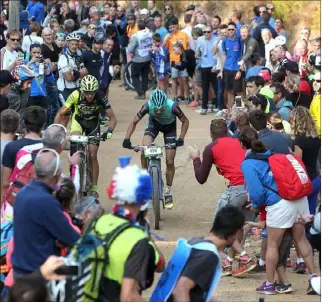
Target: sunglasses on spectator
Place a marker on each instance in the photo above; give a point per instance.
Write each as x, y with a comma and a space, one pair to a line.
44, 150
120, 11
207, 31
15, 40
317, 81
231, 29
167, 8
62, 35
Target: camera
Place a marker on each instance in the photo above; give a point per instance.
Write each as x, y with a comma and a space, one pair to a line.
70, 268
41, 59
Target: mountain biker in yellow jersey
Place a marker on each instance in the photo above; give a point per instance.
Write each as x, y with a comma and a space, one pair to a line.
86, 104
163, 114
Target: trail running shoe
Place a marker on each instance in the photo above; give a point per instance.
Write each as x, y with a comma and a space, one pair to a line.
243, 268
299, 268
227, 267
245, 259
203, 112
267, 289
284, 289
168, 202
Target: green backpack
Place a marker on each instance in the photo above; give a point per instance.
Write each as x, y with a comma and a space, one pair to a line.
92, 254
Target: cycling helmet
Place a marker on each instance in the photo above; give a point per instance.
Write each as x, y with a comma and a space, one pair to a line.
89, 84
22, 73
158, 99
99, 37
73, 36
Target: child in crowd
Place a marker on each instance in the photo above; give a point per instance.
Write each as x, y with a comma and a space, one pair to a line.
60, 41
160, 57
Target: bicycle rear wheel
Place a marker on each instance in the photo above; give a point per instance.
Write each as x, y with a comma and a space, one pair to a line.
155, 198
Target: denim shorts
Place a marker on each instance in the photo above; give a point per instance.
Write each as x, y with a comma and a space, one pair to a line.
176, 73
234, 195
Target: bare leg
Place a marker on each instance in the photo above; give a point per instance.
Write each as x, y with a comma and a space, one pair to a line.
170, 155
174, 87
93, 163
282, 278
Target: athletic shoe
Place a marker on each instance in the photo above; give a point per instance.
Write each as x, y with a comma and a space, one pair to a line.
168, 202
246, 259
187, 100
198, 110
284, 289
181, 98
310, 290
299, 268
243, 268
227, 267
193, 104
259, 268
288, 263
210, 110
203, 112
267, 289
219, 113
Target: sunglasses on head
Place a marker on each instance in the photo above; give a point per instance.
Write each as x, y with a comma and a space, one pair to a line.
62, 35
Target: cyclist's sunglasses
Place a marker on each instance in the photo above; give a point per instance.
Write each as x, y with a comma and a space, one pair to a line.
89, 92
56, 156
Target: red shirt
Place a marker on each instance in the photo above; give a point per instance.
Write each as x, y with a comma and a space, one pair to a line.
227, 154
305, 87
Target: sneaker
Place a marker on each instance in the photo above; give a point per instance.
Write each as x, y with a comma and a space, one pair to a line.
181, 98
193, 104
284, 289
267, 289
246, 259
299, 268
227, 267
203, 112
219, 113
187, 100
243, 268
288, 262
140, 97
198, 110
259, 268
168, 202
310, 289
210, 110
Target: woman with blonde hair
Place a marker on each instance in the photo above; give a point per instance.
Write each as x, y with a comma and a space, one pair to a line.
307, 146
293, 94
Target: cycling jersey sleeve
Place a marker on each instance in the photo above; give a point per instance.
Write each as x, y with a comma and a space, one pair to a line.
176, 110
143, 111
103, 100
72, 99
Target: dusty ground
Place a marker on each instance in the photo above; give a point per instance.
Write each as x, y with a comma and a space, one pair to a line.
194, 204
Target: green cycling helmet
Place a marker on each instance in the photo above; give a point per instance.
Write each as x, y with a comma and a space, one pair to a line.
89, 84
158, 99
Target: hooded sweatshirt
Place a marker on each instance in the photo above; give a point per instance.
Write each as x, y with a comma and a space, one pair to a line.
284, 108
37, 10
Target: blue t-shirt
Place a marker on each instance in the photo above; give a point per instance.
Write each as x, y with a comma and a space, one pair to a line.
162, 31
205, 47
233, 51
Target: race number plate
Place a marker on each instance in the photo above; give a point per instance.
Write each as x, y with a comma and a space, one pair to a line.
153, 151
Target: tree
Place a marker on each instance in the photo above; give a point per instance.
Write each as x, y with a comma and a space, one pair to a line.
14, 16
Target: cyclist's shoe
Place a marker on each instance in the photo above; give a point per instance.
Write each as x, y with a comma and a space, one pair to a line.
243, 268
227, 267
299, 268
267, 289
284, 289
168, 202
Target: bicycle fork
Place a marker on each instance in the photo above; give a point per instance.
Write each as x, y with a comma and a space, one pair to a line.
156, 163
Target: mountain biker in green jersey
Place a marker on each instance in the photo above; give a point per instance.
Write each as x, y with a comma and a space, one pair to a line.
163, 114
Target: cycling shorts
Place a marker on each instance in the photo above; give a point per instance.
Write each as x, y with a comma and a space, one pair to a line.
169, 131
86, 127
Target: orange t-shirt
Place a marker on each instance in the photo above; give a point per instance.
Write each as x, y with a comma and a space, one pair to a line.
178, 37
131, 30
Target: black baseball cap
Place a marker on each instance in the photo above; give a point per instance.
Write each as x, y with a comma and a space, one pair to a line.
6, 78
191, 7
292, 67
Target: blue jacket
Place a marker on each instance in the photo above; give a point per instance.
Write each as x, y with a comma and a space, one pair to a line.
38, 222
24, 23
284, 108
161, 60
38, 87
36, 10
256, 173
121, 30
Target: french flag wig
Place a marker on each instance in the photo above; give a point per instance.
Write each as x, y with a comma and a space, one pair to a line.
130, 185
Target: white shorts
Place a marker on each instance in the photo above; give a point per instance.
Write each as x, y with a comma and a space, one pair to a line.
283, 215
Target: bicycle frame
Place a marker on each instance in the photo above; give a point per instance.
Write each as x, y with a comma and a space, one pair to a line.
156, 162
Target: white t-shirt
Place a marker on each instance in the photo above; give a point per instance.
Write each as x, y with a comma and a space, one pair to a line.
192, 43
28, 40
7, 57
65, 65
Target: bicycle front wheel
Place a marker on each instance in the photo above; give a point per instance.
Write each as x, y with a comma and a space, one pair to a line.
155, 198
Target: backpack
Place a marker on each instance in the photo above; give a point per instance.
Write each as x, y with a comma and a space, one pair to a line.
6, 234
23, 177
91, 252
289, 173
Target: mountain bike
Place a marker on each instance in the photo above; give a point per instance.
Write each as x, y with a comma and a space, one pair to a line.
153, 155
82, 142
127, 76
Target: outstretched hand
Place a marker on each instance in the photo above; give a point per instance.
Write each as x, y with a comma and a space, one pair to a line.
193, 152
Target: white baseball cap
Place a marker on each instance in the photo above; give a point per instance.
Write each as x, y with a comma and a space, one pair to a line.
144, 11
280, 40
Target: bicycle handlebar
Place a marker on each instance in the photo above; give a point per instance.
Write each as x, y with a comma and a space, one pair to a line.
138, 148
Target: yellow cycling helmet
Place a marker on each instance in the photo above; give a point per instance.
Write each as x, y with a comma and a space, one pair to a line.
89, 84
